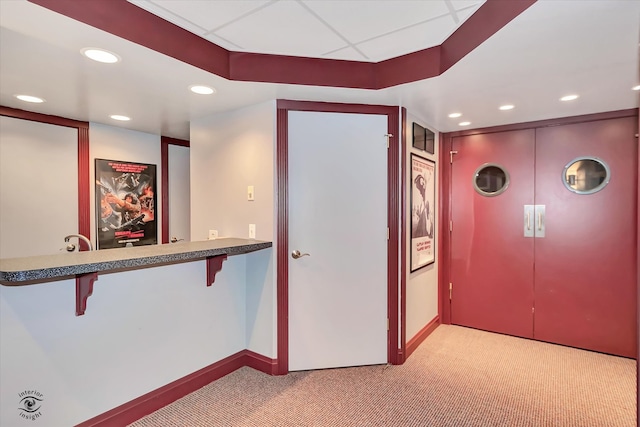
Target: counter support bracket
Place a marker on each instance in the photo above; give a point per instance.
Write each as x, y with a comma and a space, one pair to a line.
84, 289
214, 265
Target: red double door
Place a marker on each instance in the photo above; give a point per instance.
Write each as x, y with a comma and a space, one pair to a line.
575, 286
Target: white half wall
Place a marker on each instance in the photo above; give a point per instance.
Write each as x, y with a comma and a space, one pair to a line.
142, 330
422, 284
38, 187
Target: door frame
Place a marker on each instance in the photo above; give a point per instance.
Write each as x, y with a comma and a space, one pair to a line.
282, 218
445, 190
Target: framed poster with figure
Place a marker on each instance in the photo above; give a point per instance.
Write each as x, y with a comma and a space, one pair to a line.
125, 204
423, 228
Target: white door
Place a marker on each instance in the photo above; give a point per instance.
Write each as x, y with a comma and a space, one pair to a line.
338, 215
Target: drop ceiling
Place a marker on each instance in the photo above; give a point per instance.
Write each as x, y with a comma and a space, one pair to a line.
344, 29
552, 49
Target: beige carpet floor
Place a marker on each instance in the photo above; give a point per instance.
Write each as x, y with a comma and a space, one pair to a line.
457, 377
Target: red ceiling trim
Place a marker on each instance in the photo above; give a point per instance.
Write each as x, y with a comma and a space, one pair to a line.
255, 67
412, 67
124, 19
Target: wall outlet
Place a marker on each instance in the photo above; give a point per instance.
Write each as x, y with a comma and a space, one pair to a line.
252, 231
213, 234
250, 193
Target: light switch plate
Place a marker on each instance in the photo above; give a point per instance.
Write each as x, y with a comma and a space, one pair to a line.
250, 193
252, 231
213, 234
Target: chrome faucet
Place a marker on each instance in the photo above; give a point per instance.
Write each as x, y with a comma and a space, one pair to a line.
71, 248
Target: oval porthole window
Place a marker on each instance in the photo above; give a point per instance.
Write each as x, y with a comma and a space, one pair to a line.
586, 175
490, 180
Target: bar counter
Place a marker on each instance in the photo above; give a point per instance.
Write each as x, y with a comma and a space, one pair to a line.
30, 270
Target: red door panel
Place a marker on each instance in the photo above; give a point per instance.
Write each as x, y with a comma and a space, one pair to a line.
491, 260
585, 266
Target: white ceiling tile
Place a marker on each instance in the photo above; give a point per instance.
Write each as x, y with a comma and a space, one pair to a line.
461, 15
284, 28
200, 16
409, 40
359, 23
464, 4
347, 54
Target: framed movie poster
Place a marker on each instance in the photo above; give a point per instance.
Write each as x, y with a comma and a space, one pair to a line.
423, 191
125, 204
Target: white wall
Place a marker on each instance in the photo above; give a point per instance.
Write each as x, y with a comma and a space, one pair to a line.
230, 151
179, 193
112, 143
38, 187
422, 284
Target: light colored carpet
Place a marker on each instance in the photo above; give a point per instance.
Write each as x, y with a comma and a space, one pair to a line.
458, 377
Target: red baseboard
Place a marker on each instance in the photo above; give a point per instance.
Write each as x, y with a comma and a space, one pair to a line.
146, 404
422, 335
261, 363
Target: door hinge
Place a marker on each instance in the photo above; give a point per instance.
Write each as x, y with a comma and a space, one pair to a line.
533, 310
388, 323
450, 226
387, 233
451, 153
388, 136
450, 290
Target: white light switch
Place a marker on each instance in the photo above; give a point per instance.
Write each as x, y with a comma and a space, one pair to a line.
252, 231
250, 194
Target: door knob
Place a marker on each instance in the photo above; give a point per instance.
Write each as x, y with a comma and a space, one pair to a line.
296, 254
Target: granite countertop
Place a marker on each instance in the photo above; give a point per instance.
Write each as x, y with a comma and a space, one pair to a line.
27, 270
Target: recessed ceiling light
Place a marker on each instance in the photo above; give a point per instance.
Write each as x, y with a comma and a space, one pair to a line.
464, 123
455, 115
202, 90
569, 98
636, 87
119, 117
29, 98
100, 55
506, 107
